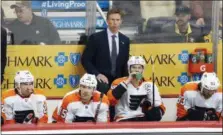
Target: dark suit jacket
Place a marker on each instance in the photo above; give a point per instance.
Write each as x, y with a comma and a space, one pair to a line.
96, 56
3, 51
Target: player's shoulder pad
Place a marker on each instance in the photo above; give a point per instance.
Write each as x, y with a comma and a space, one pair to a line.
219, 90
190, 94
39, 94
191, 86
71, 92
97, 97
72, 96
218, 94
38, 91
118, 81
8, 93
148, 83
147, 79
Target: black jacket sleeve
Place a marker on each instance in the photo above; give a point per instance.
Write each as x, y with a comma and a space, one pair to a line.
125, 67
3, 51
88, 54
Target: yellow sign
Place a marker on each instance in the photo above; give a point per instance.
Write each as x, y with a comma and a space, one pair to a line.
219, 63
171, 64
57, 69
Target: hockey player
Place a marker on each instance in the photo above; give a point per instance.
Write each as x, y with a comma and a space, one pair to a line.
133, 96
24, 104
84, 104
201, 100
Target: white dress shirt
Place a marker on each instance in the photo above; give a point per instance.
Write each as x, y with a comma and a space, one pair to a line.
110, 41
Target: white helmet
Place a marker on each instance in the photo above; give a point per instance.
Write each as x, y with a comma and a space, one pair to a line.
88, 80
136, 60
210, 81
23, 76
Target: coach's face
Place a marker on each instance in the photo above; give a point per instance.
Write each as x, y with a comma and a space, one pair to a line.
24, 14
114, 21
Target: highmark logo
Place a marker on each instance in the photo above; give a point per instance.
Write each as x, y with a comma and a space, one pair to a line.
184, 56
60, 81
183, 78
74, 80
75, 58
61, 59
100, 22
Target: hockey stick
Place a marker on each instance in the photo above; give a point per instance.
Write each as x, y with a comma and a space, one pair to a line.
153, 81
98, 109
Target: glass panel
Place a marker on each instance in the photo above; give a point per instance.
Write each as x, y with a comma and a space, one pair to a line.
68, 19
143, 21
157, 22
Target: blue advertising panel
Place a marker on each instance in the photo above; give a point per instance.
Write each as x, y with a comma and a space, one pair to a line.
75, 22
66, 5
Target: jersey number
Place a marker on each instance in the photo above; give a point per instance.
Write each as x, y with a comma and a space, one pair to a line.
44, 108
181, 100
63, 113
3, 110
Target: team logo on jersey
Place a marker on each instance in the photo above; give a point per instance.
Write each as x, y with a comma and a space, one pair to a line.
135, 101
61, 59
60, 81
74, 80
75, 58
184, 56
183, 78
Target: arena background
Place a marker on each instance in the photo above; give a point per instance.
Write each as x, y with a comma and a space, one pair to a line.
57, 70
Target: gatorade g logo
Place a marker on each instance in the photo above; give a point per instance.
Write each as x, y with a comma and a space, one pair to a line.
202, 68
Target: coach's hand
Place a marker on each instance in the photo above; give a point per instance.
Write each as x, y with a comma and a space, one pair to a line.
102, 78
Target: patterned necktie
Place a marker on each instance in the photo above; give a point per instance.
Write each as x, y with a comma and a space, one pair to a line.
113, 55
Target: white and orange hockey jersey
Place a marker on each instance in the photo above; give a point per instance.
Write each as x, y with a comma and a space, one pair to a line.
16, 109
73, 110
190, 97
128, 105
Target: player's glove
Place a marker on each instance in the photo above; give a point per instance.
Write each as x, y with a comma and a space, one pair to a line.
145, 105
2, 120
210, 115
83, 119
195, 114
154, 114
